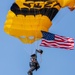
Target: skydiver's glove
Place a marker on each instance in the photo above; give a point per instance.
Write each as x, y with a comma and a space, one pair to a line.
39, 51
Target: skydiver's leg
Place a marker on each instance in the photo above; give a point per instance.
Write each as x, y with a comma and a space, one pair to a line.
37, 66
31, 70
30, 73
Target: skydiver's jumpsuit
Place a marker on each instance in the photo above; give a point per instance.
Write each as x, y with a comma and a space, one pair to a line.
34, 65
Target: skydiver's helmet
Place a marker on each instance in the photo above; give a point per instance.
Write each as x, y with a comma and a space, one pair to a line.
34, 57
39, 51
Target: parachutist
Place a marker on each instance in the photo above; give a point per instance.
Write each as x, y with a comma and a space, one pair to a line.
34, 65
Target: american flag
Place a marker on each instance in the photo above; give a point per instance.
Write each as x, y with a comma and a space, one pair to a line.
57, 41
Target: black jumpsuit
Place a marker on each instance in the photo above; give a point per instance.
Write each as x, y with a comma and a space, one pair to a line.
34, 65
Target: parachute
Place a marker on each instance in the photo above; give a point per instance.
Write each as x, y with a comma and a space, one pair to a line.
27, 18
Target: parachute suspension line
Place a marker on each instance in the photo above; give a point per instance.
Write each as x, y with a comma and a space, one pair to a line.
28, 52
62, 16
40, 58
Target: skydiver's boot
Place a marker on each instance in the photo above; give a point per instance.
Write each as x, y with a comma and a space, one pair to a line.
30, 73
39, 51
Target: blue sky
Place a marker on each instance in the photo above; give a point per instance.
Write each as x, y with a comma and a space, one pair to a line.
15, 56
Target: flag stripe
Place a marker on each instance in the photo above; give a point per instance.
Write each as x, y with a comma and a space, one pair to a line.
56, 45
53, 42
60, 43
63, 39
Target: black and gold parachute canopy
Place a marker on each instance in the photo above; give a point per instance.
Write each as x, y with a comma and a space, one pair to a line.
27, 18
